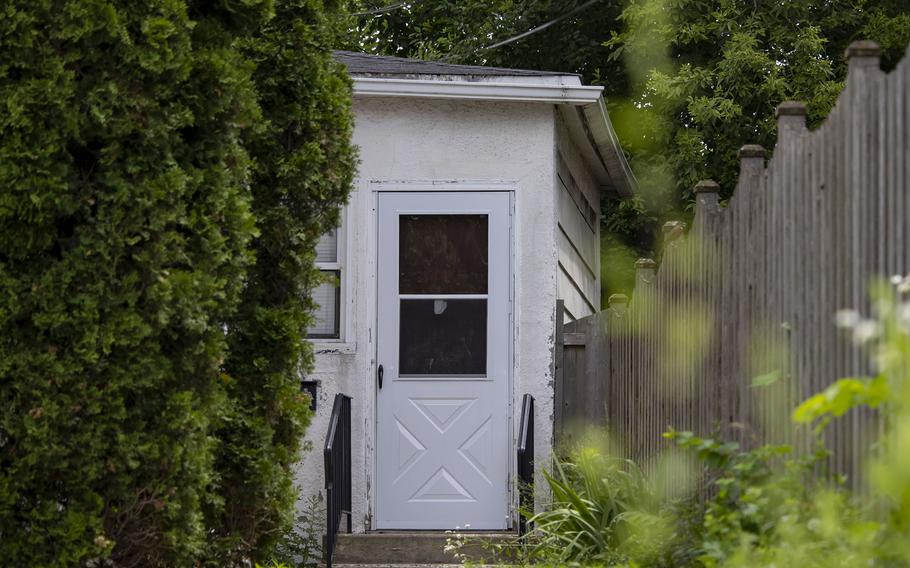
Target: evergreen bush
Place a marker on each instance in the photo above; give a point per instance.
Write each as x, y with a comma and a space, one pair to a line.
165, 169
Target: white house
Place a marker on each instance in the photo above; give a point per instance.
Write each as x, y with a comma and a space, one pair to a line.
476, 207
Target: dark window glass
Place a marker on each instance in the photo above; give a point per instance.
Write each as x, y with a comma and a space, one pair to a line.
443, 337
443, 254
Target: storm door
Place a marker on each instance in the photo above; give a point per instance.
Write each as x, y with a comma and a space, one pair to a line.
443, 360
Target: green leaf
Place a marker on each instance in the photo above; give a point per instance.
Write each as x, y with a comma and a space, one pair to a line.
766, 379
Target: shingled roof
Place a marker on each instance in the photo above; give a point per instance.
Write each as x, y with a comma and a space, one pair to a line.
384, 66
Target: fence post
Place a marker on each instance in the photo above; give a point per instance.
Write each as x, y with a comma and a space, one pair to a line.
619, 346
862, 53
791, 121
707, 197
644, 272
673, 230
619, 303
707, 203
559, 348
751, 160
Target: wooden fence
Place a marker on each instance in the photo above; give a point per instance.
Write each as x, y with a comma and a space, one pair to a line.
736, 326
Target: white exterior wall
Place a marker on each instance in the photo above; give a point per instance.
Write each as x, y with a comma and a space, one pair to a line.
432, 144
577, 241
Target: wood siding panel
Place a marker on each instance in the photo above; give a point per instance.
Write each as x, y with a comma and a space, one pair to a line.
576, 305
575, 268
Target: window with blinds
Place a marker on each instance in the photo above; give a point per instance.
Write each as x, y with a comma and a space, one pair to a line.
327, 319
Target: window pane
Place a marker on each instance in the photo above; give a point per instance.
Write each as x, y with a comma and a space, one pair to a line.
443, 337
327, 321
443, 254
327, 247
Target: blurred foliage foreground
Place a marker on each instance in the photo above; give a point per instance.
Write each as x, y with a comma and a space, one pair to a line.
769, 506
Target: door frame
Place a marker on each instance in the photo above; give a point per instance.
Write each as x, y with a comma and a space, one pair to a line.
371, 392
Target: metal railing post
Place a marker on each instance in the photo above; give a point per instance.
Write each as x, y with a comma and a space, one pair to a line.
526, 463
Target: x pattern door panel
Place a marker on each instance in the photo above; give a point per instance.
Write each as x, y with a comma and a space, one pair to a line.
448, 426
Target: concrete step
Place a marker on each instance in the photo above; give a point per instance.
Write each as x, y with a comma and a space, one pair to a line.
411, 548
396, 565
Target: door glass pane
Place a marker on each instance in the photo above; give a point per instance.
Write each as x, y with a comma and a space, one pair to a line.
443, 337
443, 254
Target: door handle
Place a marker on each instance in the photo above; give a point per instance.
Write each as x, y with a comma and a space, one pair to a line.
379, 376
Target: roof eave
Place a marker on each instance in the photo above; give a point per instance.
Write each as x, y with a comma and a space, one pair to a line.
590, 128
603, 137
477, 90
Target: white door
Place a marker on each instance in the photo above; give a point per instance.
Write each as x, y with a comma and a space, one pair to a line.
443, 342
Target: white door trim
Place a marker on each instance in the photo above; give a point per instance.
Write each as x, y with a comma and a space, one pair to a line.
460, 185
376, 188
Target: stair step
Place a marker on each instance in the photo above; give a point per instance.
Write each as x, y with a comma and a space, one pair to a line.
335, 565
400, 549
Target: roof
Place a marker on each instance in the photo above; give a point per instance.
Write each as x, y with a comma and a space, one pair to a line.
381, 65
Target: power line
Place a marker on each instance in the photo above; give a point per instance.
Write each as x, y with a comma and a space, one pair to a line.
513, 39
542, 26
385, 9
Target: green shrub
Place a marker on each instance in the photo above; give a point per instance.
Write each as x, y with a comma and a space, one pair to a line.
157, 161
302, 171
603, 511
750, 490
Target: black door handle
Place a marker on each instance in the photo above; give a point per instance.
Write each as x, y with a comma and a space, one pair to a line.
379, 376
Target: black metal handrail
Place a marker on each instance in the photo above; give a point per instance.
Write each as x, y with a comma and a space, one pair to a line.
337, 454
526, 463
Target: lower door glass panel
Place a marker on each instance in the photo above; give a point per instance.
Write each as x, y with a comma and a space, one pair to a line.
443, 337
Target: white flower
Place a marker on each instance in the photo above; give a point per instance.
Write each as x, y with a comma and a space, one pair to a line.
903, 316
814, 525
846, 318
865, 331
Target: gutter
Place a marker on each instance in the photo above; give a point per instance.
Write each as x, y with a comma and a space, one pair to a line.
600, 131
478, 91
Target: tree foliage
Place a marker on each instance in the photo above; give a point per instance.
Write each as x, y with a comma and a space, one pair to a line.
459, 31
706, 77
147, 149
687, 82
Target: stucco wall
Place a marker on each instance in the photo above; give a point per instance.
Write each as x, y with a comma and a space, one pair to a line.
497, 146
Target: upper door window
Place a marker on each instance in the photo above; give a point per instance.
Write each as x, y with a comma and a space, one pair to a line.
443, 254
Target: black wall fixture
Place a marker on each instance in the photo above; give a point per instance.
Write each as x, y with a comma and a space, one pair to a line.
310, 388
